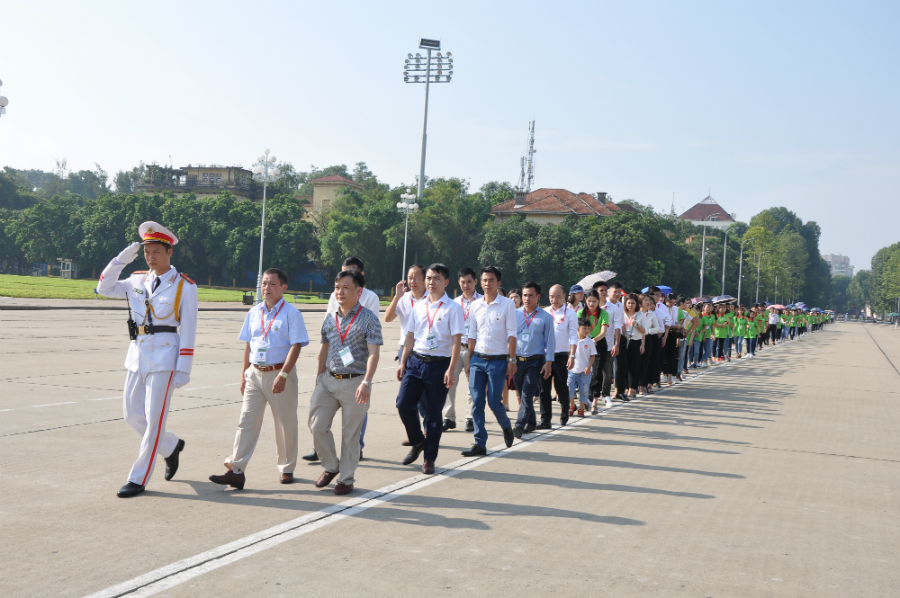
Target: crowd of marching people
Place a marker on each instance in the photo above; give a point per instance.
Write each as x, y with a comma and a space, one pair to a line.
583, 349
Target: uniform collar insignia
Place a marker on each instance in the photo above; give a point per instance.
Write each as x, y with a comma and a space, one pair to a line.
138, 291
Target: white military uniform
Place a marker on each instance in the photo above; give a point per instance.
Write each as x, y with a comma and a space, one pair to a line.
156, 363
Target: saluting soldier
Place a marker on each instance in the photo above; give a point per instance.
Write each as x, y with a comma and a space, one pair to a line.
162, 325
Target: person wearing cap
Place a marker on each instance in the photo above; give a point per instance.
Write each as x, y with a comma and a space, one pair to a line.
273, 334
162, 325
576, 297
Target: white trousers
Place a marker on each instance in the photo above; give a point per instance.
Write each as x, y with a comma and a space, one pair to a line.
146, 406
257, 394
450, 404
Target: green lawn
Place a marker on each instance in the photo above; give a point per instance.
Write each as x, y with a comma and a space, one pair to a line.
40, 287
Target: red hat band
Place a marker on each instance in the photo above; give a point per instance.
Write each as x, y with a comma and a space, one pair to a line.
158, 237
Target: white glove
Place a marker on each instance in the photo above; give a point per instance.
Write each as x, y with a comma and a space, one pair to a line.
128, 254
180, 379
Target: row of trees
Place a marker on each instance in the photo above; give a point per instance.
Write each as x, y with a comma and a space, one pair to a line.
878, 287
48, 215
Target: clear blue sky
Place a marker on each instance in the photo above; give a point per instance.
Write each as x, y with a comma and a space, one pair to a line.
766, 103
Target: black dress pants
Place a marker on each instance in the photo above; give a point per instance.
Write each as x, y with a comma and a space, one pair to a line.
559, 379
622, 366
599, 377
635, 361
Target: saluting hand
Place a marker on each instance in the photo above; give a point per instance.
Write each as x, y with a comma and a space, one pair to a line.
127, 255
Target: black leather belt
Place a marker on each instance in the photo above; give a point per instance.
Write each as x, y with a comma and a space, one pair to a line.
430, 358
343, 376
490, 357
151, 329
527, 358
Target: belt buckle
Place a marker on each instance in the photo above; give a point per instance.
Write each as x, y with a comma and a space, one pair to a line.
143, 329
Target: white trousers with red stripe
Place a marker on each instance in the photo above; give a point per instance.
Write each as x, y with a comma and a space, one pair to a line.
147, 398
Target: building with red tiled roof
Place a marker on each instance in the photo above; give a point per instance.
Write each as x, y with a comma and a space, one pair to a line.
551, 206
710, 213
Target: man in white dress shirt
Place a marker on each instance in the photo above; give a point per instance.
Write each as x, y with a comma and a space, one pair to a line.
492, 346
565, 327
161, 352
370, 301
427, 365
467, 282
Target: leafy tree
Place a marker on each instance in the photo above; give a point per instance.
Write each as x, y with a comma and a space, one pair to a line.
495, 192
858, 291
500, 247
47, 230
13, 196
839, 287
884, 279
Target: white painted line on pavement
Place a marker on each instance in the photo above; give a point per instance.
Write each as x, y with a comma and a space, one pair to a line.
177, 573
5, 410
54, 404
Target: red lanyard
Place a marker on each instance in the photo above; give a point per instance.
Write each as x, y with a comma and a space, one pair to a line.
525, 315
466, 311
337, 323
262, 319
430, 319
554, 315
593, 318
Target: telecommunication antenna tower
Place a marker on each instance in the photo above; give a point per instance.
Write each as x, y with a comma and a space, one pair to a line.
526, 176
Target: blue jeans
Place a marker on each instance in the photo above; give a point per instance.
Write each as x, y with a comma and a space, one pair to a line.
707, 349
751, 345
697, 351
739, 344
487, 378
528, 381
582, 383
423, 378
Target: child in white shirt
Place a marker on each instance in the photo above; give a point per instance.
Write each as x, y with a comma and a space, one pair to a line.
580, 374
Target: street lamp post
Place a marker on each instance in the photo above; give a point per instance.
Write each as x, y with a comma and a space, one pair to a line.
405, 207
264, 170
758, 263
703, 250
740, 272
724, 251
413, 64
3, 102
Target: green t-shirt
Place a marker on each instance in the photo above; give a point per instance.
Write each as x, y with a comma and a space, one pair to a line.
739, 324
723, 328
705, 331
780, 321
751, 330
598, 321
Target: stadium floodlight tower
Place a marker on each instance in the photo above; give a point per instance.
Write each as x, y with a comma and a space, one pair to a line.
264, 170
442, 64
3, 102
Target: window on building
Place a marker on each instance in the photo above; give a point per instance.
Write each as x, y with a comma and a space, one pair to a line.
205, 177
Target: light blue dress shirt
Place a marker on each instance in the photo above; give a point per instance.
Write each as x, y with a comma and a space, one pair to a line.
287, 329
542, 334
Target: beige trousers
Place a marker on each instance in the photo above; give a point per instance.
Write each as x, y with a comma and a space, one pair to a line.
258, 392
330, 395
450, 404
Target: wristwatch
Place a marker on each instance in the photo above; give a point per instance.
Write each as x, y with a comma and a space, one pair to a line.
367, 383
283, 375
511, 360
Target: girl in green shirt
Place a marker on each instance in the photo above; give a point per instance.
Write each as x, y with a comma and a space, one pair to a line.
599, 319
740, 325
706, 330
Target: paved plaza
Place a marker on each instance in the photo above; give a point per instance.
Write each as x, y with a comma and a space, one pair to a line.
776, 476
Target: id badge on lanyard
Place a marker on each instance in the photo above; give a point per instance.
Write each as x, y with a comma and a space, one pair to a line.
431, 340
526, 336
346, 356
465, 336
259, 356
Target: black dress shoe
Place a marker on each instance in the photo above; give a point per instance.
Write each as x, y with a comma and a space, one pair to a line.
428, 467
529, 429
229, 478
449, 424
475, 451
508, 436
625, 398
470, 427
517, 432
313, 456
543, 426
360, 455
414, 453
172, 461
130, 489
563, 419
